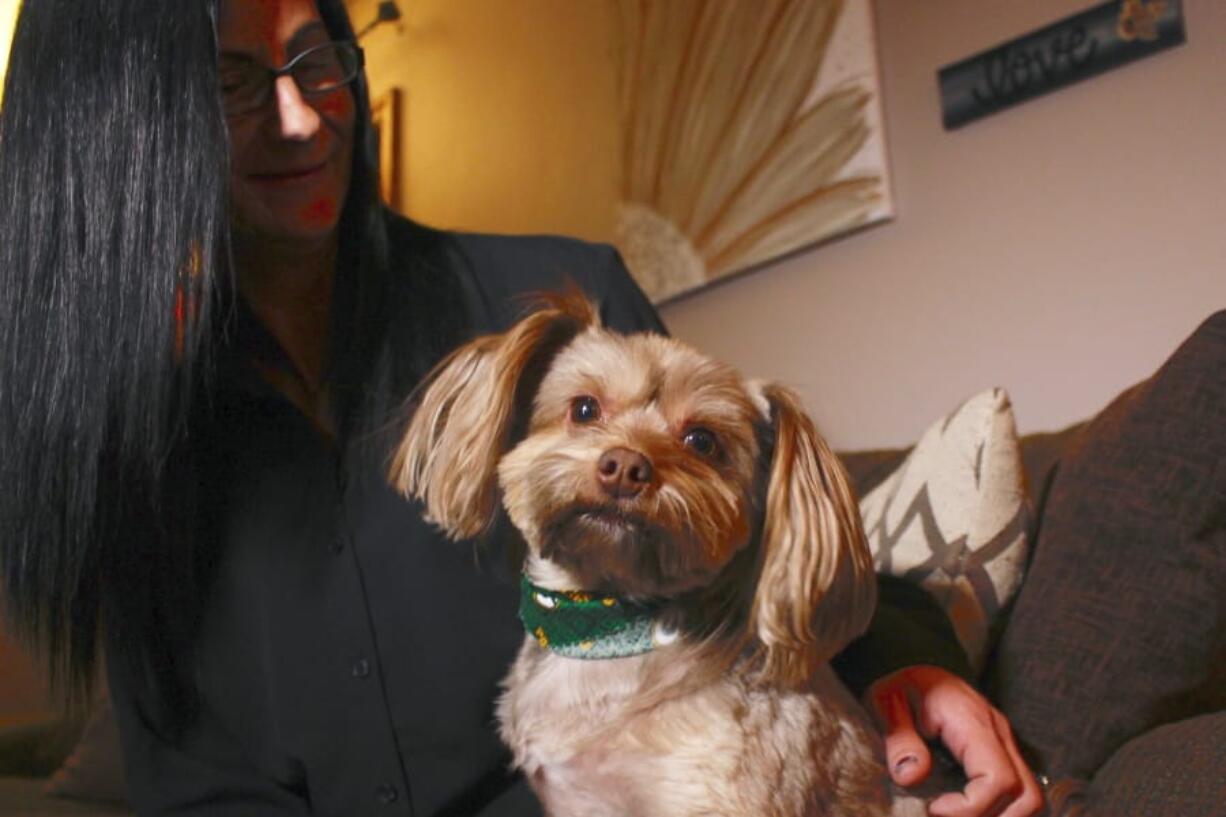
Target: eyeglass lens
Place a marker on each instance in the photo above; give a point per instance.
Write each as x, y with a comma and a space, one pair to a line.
247, 85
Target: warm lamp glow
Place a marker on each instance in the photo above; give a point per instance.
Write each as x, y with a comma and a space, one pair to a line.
8, 19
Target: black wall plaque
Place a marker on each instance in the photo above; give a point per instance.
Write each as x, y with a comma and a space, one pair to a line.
1076, 48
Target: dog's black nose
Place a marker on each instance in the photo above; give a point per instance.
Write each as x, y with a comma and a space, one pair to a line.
623, 473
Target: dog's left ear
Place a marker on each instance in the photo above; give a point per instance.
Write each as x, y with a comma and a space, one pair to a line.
817, 589
467, 413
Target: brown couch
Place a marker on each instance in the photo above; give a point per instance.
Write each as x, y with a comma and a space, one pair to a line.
1111, 663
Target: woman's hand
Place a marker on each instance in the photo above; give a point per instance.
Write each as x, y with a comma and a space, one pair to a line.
999, 783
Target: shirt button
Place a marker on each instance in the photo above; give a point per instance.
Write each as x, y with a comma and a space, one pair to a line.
387, 794
337, 546
361, 668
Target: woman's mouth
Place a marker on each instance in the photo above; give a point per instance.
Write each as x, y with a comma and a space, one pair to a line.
288, 175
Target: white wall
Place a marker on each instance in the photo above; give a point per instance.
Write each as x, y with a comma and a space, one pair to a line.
1060, 249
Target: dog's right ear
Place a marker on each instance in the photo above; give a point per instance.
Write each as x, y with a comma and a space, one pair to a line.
817, 589
468, 408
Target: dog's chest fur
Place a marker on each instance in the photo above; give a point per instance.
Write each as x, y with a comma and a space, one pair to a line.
581, 733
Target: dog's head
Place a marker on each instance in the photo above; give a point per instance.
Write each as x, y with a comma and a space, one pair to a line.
632, 464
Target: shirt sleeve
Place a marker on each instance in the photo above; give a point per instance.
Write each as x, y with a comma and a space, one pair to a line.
189, 777
908, 627
516, 801
623, 305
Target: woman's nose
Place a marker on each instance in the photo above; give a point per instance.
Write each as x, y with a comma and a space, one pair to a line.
299, 121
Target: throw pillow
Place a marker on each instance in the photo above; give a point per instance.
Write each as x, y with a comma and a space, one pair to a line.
954, 517
1121, 624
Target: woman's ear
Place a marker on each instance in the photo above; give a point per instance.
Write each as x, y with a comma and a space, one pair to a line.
816, 590
468, 411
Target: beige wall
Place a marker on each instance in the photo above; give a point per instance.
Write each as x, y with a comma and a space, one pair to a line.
1060, 249
499, 100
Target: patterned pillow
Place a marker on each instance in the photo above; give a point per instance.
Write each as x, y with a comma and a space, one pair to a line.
954, 517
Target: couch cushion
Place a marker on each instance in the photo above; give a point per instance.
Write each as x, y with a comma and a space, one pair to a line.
1121, 624
37, 749
24, 796
953, 516
1172, 771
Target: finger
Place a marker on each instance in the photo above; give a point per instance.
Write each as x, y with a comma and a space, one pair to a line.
993, 782
906, 754
1031, 801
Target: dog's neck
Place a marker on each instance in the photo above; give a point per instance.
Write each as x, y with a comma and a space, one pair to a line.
578, 624
711, 617
580, 693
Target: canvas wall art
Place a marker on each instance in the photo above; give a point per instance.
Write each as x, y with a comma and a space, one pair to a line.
749, 129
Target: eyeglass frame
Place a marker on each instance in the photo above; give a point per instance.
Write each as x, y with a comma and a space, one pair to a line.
287, 70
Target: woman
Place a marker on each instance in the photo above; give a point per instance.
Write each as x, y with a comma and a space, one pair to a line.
202, 379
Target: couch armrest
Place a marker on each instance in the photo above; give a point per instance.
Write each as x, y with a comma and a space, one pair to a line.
37, 749
1174, 770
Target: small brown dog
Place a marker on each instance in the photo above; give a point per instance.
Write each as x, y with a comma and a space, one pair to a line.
694, 558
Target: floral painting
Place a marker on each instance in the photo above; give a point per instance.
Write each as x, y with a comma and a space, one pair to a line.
748, 129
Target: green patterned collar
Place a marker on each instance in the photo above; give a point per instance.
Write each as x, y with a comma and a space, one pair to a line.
584, 625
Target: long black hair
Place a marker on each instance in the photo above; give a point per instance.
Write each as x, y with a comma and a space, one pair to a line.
116, 302
112, 231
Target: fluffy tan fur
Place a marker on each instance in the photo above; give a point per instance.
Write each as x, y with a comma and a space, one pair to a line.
752, 545
450, 453
817, 590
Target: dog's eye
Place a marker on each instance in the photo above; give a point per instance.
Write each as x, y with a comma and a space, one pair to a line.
701, 440
585, 409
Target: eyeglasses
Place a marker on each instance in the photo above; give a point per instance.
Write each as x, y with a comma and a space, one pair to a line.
246, 85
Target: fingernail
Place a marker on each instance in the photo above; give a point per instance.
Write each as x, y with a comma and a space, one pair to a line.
905, 761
